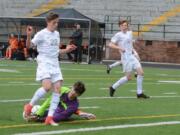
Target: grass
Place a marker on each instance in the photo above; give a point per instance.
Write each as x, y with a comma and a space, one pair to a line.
163, 106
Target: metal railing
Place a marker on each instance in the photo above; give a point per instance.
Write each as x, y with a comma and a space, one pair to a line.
163, 30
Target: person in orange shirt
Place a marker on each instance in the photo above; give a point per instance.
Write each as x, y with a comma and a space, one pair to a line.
13, 46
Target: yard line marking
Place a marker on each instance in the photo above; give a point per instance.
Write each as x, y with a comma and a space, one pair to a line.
17, 82
176, 82
96, 120
135, 90
104, 88
75, 130
89, 107
125, 97
9, 70
90, 98
170, 93
20, 84
16, 100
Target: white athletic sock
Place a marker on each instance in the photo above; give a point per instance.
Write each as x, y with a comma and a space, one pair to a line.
139, 84
117, 63
121, 81
40, 93
54, 103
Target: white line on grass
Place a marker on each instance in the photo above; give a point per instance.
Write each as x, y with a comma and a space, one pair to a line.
20, 84
134, 91
89, 107
91, 98
17, 82
9, 71
170, 93
102, 128
174, 82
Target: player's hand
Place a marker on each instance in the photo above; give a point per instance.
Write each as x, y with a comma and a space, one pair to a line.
71, 48
87, 116
29, 30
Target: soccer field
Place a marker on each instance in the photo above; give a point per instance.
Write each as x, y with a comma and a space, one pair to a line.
122, 115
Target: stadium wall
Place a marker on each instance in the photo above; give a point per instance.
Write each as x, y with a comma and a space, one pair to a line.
151, 51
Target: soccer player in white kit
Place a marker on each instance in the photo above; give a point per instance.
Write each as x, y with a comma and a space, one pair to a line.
123, 41
48, 72
119, 62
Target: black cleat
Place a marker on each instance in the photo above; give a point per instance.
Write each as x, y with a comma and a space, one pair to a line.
108, 69
140, 96
111, 91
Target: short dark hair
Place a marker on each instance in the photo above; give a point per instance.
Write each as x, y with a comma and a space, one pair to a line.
79, 87
51, 16
122, 22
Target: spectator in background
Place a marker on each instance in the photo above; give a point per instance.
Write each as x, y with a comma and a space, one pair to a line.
22, 47
77, 37
32, 53
1, 53
13, 46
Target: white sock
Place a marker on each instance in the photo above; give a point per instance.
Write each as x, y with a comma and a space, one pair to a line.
117, 63
120, 82
54, 103
139, 84
40, 93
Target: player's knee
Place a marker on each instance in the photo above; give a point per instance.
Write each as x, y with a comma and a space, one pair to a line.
141, 73
47, 86
129, 77
57, 87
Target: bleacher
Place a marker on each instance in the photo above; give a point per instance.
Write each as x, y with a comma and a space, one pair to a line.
155, 12
140, 12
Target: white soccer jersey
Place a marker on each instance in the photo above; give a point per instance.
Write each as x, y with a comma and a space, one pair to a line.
125, 41
47, 43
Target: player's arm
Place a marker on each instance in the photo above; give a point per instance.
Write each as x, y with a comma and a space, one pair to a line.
64, 115
85, 115
29, 32
44, 107
115, 46
69, 48
136, 54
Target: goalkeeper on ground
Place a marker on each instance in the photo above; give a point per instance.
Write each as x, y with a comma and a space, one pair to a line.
68, 106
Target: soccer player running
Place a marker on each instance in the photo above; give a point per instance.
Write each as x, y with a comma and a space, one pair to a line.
48, 72
68, 105
123, 41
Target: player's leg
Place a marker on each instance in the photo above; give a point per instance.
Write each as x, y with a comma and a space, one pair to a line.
115, 64
140, 76
120, 82
7, 52
40, 93
56, 87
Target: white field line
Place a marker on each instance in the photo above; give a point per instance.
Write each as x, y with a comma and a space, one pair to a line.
89, 107
20, 84
9, 70
90, 98
34, 84
174, 82
170, 93
16, 82
101, 128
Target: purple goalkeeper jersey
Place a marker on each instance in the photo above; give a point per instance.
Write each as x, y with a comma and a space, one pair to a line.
65, 108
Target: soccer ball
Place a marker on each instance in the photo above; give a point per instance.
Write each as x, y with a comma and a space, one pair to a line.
33, 111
